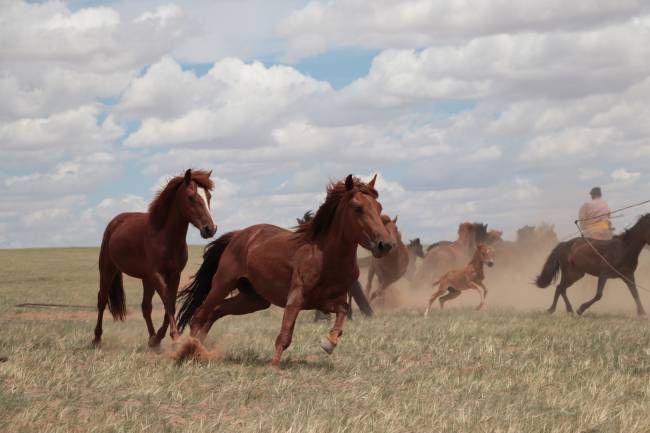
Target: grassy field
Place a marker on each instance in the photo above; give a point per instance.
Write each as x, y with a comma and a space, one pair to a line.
501, 370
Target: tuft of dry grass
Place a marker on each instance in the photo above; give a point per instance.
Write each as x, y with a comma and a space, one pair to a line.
499, 370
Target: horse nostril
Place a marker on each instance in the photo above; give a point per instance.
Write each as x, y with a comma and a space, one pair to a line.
385, 246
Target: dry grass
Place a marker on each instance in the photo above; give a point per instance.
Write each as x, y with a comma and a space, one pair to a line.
501, 370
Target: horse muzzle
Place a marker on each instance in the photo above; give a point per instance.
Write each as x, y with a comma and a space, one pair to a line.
490, 263
208, 231
382, 248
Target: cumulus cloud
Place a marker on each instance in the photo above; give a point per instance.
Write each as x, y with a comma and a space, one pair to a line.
321, 25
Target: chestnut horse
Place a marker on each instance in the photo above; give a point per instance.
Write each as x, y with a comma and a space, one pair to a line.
311, 268
444, 256
470, 277
614, 258
151, 246
391, 267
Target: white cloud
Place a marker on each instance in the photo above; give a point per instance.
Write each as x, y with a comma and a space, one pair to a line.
321, 25
621, 174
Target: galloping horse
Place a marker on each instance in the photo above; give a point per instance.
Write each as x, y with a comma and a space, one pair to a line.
470, 277
391, 267
445, 256
151, 246
311, 268
615, 258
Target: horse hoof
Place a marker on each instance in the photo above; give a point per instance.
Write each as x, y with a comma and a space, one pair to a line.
4, 359
327, 345
154, 342
550, 311
96, 344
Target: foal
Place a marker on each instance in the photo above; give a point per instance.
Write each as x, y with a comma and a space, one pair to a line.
471, 277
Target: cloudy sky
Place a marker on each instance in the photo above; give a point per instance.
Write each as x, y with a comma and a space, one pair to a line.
505, 112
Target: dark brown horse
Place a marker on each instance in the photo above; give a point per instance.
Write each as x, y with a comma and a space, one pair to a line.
615, 258
311, 268
151, 246
391, 267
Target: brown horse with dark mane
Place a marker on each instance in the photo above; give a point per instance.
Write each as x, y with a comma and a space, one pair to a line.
390, 268
151, 246
311, 268
604, 259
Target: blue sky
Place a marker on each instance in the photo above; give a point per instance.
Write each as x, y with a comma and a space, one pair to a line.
506, 115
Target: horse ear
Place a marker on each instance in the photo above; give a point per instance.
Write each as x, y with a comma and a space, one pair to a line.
395, 219
188, 176
349, 182
371, 184
209, 173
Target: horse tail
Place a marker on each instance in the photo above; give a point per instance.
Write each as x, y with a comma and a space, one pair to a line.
116, 298
193, 295
551, 268
360, 298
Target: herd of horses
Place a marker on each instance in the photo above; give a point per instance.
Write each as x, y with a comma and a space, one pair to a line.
315, 265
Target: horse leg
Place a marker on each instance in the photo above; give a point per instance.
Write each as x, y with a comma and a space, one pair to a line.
434, 296
569, 308
283, 340
377, 293
107, 274
147, 295
329, 343
558, 290
631, 284
599, 294
222, 286
371, 275
485, 291
244, 302
171, 283
475, 286
452, 294
168, 296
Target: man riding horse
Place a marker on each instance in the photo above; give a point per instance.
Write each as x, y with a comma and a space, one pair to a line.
594, 217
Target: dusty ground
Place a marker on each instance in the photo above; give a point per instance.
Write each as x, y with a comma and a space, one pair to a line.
511, 368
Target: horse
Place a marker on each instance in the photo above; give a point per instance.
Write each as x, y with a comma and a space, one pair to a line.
310, 268
531, 240
355, 292
391, 267
614, 258
471, 277
151, 246
444, 255
415, 250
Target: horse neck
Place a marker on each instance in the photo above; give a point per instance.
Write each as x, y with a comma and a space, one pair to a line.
174, 231
465, 240
338, 250
634, 242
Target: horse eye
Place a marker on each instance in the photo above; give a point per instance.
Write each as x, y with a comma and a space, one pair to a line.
191, 198
358, 210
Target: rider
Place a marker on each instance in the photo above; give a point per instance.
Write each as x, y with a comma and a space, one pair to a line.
594, 216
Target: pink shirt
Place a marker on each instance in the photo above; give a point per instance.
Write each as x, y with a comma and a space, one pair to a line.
596, 210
